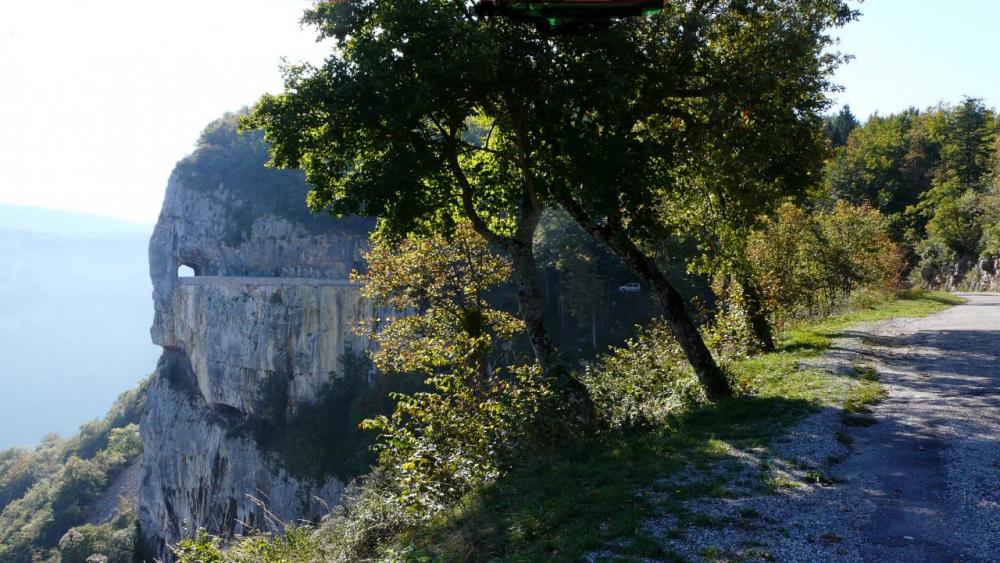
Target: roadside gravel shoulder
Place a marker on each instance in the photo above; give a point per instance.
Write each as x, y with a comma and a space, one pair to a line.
916, 483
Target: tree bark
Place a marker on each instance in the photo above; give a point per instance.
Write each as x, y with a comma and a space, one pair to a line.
713, 380
525, 274
757, 314
684, 329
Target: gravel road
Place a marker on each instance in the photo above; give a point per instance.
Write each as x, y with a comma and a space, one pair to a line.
922, 484
934, 457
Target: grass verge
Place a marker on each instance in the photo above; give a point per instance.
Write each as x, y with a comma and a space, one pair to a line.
865, 392
596, 493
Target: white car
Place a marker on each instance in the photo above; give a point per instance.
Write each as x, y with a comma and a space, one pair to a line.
631, 287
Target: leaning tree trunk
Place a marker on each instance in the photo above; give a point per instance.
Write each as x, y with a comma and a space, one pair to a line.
757, 313
712, 379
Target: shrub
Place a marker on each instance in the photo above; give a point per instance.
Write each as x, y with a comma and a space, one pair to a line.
729, 334
810, 263
644, 381
295, 545
82, 543
125, 442
935, 254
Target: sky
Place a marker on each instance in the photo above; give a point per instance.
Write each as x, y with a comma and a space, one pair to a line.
918, 53
100, 98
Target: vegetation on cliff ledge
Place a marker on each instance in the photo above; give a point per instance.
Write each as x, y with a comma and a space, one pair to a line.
49, 492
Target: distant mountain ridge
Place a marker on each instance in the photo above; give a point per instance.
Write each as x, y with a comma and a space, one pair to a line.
75, 308
58, 222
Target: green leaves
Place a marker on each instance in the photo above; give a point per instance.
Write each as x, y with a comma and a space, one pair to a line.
930, 172
809, 263
434, 289
441, 443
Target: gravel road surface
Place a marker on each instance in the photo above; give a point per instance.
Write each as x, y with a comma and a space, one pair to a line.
934, 457
922, 484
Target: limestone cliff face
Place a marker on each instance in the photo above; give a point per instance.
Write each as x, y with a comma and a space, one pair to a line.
253, 335
965, 275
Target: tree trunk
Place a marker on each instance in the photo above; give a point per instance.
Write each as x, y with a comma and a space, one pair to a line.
520, 248
713, 380
525, 274
711, 377
759, 324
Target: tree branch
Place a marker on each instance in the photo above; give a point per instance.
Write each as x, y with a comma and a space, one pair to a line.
469, 206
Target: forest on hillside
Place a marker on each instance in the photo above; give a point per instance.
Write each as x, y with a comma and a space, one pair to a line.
932, 173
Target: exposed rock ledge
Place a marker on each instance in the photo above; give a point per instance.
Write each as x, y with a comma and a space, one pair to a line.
965, 275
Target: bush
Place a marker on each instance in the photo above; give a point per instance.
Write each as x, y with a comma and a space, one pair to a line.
935, 254
80, 544
125, 442
479, 407
643, 382
295, 545
441, 444
809, 264
729, 334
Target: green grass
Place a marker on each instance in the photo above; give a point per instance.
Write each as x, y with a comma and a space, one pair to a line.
597, 492
865, 392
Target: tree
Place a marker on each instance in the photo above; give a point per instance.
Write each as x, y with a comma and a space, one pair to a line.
956, 222
884, 163
602, 124
658, 111
839, 126
969, 142
956, 206
809, 263
382, 129
439, 288
455, 435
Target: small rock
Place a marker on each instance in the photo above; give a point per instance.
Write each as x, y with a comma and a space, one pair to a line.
830, 538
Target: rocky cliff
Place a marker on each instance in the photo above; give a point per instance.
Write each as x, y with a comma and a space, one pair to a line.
965, 275
253, 336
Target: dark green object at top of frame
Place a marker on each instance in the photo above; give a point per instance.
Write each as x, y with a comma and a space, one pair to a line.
566, 15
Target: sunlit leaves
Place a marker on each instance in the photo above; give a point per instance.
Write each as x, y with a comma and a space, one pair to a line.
808, 263
435, 289
440, 443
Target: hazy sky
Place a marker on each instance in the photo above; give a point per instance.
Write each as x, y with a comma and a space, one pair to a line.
99, 98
